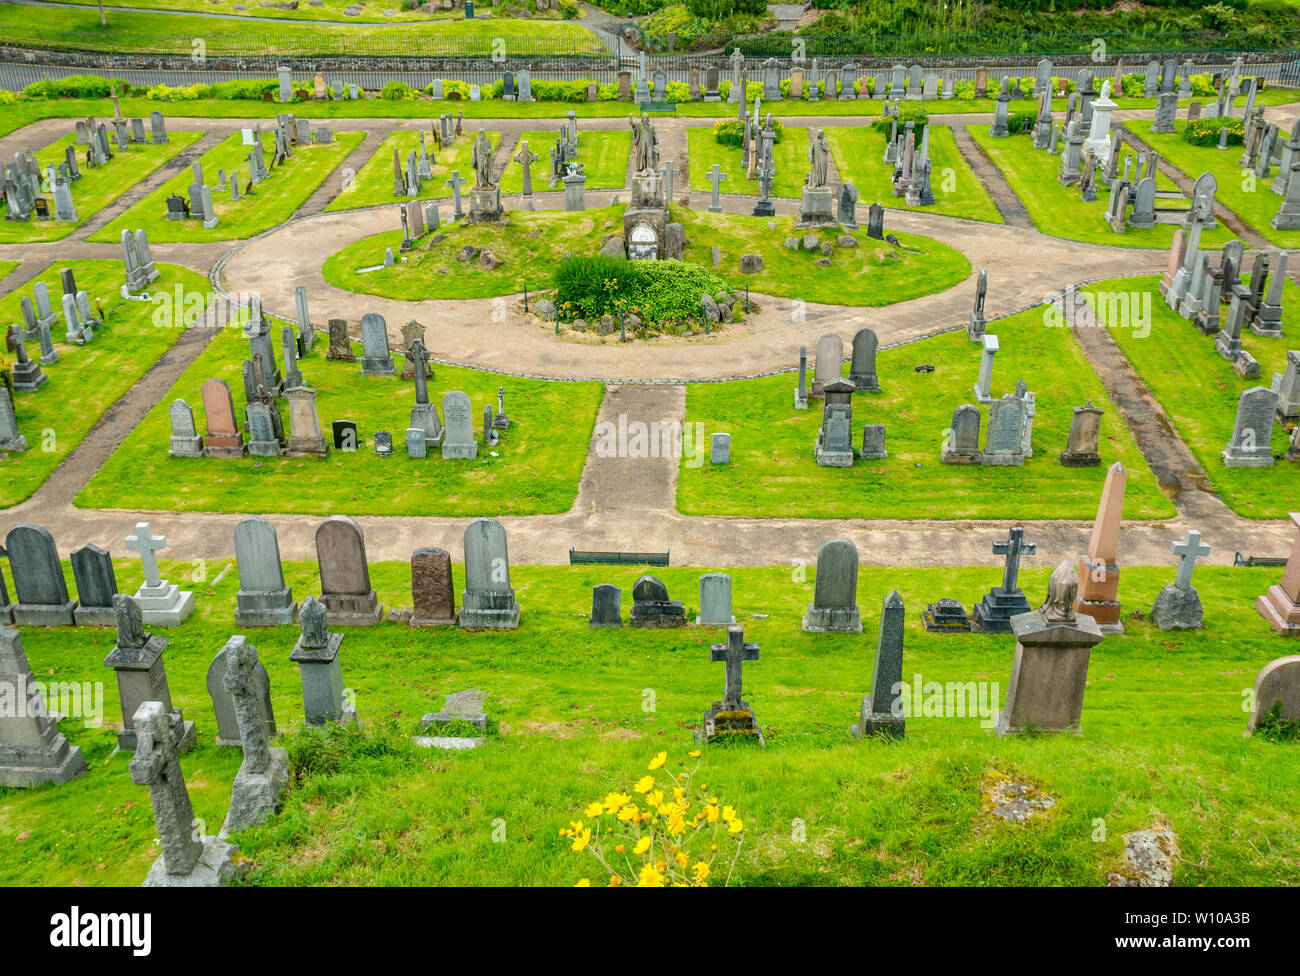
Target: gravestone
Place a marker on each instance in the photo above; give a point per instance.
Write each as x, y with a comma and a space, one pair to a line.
829, 363
223, 438
223, 707
1098, 578
264, 600
715, 600
1050, 669
160, 602
488, 601
961, 446
340, 344
137, 661
317, 655
306, 439
376, 360
994, 612
92, 569
1007, 431
801, 391
40, 592
862, 371
882, 712
1178, 605
720, 449
988, 349
458, 418
346, 592
1277, 686
1280, 605
433, 590
835, 593
651, 607
1081, 446
732, 718
264, 773
834, 444
189, 859
606, 601
11, 438
1252, 430
32, 749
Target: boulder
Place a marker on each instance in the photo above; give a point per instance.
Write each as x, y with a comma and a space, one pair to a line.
724, 298
489, 260
751, 263
725, 313
823, 262
844, 240
545, 308
1178, 608
810, 242
632, 321
606, 325
792, 243
469, 252
710, 308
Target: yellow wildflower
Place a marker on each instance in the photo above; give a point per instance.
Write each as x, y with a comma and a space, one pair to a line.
594, 810
615, 881
582, 839
694, 754
645, 784
629, 812
701, 870
650, 878
682, 860
737, 825
584, 883
642, 845
615, 800
658, 760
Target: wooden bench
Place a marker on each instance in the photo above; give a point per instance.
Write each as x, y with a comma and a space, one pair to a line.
578, 557
1241, 560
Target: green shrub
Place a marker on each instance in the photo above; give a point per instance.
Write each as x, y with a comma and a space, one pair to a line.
731, 132
670, 291
569, 10
164, 93
1205, 132
76, 86
1018, 122
251, 91
721, 9
660, 293
588, 287
907, 112
398, 91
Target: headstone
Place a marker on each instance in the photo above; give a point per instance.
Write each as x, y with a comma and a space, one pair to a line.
835, 593
264, 600
1276, 695
721, 449
160, 602
829, 363
834, 443
458, 438
732, 718
1081, 446
962, 445
488, 600
40, 592
882, 712
715, 600
223, 706
189, 859
264, 773
92, 569
306, 439
1252, 431
994, 612
11, 438
346, 593
376, 359
1050, 670
433, 590
989, 349
651, 607
317, 655
340, 344
862, 372
137, 661
606, 600
345, 435
32, 749
1178, 605
1098, 578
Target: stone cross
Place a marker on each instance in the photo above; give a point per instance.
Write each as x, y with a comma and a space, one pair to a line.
147, 546
418, 356
245, 695
715, 176
456, 183
525, 158
733, 653
1014, 547
156, 766
1189, 549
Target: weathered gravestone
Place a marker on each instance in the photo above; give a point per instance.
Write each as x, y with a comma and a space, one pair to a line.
376, 360
264, 773
32, 749
1280, 604
1178, 605
715, 600
160, 601
651, 607
882, 712
223, 707
1276, 695
346, 593
1098, 581
137, 660
458, 432
92, 569
40, 592
433, 590
606, 606
994, 612
317, 655
1081, 446
732, 718
264, 600
835, 592
488, 601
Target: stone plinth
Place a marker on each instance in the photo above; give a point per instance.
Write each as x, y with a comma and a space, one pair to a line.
1048, 673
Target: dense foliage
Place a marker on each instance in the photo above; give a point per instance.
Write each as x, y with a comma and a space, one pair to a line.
658, 292
731, 132
1205, 132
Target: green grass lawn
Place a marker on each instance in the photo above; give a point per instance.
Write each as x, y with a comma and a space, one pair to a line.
539, 462
773, 471
604, 157
1250, 199
373, 183
329, 10
7, 267
958, 192
63, 27
874, 273
1059, 210
93, 376
272, 202
790, 156
1162, 743
97, 188
1200, 392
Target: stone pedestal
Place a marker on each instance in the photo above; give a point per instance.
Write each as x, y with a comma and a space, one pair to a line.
1048, 674
32, 749
489, 609
817, 208
1280, 605
485, 205
165, 604
256, 796
322, 683
1099, 598
142, 677
218, 865
832, 620
946, 617
265, 609
1177, 608
993, 614
657, 614
731, 724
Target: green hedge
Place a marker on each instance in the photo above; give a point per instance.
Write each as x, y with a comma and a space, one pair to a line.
77, 86
906, 113
731, 132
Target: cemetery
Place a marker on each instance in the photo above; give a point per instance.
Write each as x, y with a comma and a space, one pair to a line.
616, 464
